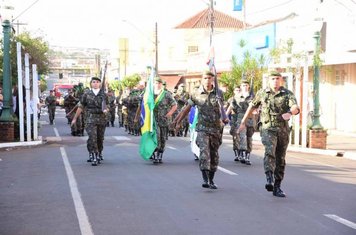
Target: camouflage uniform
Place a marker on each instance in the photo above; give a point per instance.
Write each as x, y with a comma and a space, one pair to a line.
182, 98
111, 113
80, 124
242, 144
119, 110
209, 128
274, 130
160, 111
51, 104
70, 103
95, 121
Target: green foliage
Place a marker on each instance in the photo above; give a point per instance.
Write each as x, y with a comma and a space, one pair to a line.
250, 68
42, 83
130, 81
36, 47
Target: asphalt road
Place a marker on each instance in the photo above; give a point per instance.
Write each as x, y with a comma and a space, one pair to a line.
51, 189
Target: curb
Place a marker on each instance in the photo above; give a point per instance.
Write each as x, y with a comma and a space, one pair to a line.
22, 143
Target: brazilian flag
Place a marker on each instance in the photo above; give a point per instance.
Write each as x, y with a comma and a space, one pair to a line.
148, 141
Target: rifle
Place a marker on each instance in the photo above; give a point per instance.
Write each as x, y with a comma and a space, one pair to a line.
103, 104
223, 115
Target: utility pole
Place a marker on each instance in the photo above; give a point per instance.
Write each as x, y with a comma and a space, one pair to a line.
156, 47
211, 21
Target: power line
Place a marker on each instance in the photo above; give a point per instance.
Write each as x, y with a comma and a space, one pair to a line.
25, 10
270, 8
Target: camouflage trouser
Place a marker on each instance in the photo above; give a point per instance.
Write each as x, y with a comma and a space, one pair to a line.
239, 140
208, 144
249, 133
95, 137
276, 143
51, 113
161, 138
119, 115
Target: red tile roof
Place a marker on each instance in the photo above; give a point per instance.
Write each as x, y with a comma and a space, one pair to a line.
201, 20
171, 80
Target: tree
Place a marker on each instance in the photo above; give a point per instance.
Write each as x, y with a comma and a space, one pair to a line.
250, 68
36, 47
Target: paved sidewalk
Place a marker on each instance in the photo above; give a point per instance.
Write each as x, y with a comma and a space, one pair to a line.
339, 144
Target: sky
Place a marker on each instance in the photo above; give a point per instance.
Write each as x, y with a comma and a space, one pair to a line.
97, 23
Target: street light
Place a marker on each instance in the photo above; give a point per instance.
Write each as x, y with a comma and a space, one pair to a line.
6, 11
316, 64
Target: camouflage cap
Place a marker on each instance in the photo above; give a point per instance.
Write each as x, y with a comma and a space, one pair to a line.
244, 81
274, 73
158, 79
95, 78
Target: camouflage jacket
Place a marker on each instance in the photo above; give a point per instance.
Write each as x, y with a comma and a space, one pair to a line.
93, 106
50, 101
273, 105
162, 108
209, 115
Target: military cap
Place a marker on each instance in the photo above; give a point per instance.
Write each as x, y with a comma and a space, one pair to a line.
209, 73
51, 90
275, 74
158, 79
181, 85
95, 78
244, 81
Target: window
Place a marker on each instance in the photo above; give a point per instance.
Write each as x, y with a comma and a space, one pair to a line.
192, 49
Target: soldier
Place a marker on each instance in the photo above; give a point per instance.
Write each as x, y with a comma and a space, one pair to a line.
119, 109
239, 104
70, 103
209, 127
182, 98
51, 105
112, 106
95, 103
165, 106
277, 106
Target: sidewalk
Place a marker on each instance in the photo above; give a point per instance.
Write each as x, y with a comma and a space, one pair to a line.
339, 144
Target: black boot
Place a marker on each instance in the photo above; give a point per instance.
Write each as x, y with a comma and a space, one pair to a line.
277, 191
91, 157
205, 175
236, 155
212, 185
242, 156
101, 158
160, 157
269, 184
247, 158
156, 157
95, 161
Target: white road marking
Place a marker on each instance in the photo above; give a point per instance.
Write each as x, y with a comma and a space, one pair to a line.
170, 147
82, 216
56, 132
341, 220
226, 171
121, 138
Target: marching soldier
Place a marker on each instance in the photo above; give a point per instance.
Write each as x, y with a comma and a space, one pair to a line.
165, 106
51, 105
112, 106
94, 102
70, 103
239, 105
208, 127
277, 106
